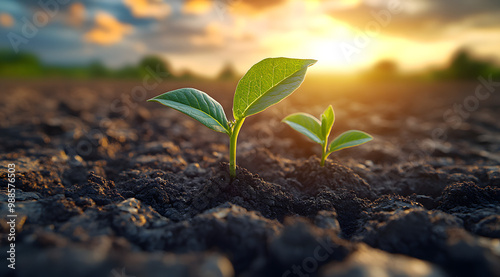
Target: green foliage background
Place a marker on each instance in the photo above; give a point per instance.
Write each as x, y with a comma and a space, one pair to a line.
462, 66
27, 65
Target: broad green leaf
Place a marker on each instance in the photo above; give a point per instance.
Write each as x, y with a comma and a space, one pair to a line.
267, 83
349, 139
198, 105
327, 119
305, 124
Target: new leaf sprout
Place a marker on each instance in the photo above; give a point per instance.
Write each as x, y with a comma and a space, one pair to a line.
319, 130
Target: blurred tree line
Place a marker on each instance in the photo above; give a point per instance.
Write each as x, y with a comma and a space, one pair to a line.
462, 66
26, 65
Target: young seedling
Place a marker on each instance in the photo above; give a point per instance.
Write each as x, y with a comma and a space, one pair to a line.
265, 84
319, 131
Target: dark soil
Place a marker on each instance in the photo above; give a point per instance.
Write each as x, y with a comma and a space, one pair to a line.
109, 185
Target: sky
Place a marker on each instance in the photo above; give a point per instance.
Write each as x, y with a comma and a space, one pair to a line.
204, 35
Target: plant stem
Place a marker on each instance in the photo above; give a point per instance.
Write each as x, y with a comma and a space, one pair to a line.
324, 155
233, 139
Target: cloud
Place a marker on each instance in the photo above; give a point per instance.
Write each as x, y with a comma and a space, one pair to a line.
6, 20
419, 19
456, 10
213, 36
259, 5
197, 6
148, 8
108, 30
76, 14
218, 36
172, 36
223, 6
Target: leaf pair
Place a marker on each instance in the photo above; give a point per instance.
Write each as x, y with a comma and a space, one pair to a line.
265, 84
319, 131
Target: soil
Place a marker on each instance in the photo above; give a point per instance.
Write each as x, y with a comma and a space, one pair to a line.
109, 185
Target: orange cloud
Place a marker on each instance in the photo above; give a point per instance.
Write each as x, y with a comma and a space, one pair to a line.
196, 6
76, 14
6, 20
108, 30
219, 35
213, 36
148, 8
252, 6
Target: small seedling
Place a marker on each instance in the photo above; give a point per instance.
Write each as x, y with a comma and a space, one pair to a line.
319, 131
265, 84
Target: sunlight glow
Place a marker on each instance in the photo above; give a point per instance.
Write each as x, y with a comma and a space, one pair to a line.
321, 39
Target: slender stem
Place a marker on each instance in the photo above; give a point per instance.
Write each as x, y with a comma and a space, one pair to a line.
324, 155
233, 139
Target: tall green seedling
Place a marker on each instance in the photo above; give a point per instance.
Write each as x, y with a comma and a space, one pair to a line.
265, 84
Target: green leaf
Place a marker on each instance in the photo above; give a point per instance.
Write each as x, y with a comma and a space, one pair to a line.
305, 124
327, 119
267, 83
349, 139
198, 105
